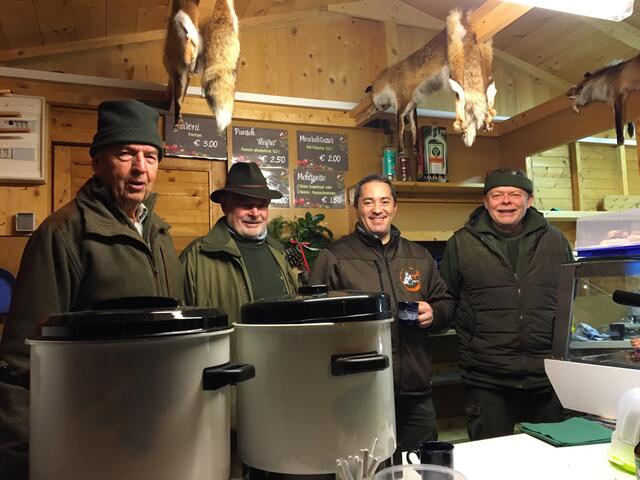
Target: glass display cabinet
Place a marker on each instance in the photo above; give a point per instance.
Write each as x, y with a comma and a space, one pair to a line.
591, 326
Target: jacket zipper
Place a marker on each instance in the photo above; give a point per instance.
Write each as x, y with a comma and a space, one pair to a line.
394, 299
152, 258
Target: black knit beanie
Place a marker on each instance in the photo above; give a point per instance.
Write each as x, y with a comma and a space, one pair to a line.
126, 121
507, 177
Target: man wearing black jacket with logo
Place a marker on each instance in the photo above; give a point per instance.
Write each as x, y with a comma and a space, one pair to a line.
376, 258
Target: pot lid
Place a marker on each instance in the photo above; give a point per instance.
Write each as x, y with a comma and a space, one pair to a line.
131, 318
315, 304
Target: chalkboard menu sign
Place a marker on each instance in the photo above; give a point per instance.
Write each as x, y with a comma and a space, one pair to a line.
268, 147
197, 137
319, 189
323, 151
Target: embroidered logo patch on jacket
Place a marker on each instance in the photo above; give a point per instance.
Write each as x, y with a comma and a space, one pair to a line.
411, 279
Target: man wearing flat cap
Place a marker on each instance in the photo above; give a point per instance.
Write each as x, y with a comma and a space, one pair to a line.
237, 262
106, 243
502, 268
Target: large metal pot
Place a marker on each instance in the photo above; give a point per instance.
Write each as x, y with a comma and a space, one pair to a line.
132, 394
323, 386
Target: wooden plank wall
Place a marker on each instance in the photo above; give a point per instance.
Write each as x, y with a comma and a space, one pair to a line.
633, 173
600, 174
551, 174
329, 58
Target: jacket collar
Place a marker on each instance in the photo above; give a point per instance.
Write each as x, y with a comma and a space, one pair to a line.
373, 241
100, 210
218, 239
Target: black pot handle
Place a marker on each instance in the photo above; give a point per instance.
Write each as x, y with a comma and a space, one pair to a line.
353, 363
214, 378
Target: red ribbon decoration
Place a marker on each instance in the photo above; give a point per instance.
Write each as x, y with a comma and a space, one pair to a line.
301, 246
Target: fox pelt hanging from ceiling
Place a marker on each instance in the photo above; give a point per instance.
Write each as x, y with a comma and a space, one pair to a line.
452, 59
214, 53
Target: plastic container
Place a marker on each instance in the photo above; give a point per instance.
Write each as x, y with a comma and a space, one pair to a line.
609, 234
625, 436
419, 472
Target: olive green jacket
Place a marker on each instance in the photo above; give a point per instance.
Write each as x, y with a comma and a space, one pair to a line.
85, 252
215, 274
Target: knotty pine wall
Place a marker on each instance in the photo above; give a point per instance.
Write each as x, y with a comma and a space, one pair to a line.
330, 58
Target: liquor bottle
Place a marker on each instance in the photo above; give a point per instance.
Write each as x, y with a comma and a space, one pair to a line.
436, 154
404, 172
389, 162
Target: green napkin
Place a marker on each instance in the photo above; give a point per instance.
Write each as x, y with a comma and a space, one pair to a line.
574, 431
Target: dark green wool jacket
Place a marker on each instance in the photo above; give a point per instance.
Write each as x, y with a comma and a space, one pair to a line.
85, 252
406, 272
216, 276
504, 316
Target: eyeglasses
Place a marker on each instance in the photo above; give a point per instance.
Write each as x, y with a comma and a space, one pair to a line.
507, 171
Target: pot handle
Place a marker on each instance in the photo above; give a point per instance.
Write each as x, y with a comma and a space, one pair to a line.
214, 378
353, 363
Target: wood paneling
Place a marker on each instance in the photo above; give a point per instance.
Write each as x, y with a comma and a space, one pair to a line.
329, 57
20, 23
121, 16
89, 18
552, 180
11, 249
55, 18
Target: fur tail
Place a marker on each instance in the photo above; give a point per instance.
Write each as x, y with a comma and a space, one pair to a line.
221, 53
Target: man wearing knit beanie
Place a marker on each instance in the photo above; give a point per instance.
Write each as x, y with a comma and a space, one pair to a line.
106, 243
502, 268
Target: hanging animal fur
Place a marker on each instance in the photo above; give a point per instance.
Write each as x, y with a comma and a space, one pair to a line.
453, 58
611, 85
470, 77
182, 49
221, 52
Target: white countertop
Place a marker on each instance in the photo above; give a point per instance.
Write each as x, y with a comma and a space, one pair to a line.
523, 457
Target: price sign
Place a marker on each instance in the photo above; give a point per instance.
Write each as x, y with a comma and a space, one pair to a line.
319, 189
197, 137
322, 151
268, 147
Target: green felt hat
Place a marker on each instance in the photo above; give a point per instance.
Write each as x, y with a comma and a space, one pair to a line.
508, 177
122, 122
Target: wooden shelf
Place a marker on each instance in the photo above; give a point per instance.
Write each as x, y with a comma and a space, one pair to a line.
567, 215
439, 187
439, 192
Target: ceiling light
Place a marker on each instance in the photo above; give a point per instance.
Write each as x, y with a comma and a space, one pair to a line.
615, 10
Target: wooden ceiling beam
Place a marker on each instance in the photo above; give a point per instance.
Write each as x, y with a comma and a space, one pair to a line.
494, 15
82, 45
621, 31
276, 20
388, 11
